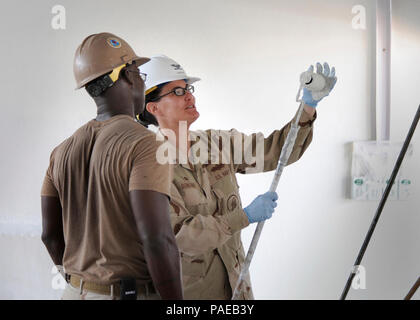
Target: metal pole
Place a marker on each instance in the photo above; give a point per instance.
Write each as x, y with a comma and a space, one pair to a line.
381, 204
383, 69
413, 290
284, 158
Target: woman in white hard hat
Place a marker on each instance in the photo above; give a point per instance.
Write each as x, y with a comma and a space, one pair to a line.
206, 210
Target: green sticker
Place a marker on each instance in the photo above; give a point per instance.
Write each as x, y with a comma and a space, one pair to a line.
359, 182
406, 182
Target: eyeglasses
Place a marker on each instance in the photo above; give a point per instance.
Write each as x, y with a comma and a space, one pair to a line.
142, 75
178, 91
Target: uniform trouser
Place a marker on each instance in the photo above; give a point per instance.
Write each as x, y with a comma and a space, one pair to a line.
72, 293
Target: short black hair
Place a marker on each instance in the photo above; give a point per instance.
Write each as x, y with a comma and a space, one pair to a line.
98, 86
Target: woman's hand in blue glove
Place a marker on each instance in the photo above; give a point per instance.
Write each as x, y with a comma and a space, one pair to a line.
262, 207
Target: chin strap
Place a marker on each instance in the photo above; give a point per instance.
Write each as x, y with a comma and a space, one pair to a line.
99, 85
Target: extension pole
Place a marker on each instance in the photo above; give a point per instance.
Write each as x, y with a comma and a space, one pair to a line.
413, 290
381, 204
284, 158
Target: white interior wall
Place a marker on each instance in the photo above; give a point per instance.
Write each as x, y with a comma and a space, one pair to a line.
249, 55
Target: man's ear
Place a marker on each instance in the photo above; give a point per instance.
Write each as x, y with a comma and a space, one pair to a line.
126, 75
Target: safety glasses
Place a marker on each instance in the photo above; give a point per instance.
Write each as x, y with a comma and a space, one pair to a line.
178, 91
142, 75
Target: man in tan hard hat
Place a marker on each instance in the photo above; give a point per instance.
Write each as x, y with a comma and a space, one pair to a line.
105, 198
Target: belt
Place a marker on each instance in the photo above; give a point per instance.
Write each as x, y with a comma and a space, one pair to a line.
109, 289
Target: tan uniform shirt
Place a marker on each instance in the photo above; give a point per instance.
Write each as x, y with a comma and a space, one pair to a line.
207, 215
92, 173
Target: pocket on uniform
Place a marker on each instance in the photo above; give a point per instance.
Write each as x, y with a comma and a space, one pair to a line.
193, 266
201, 208
221, 202
226, 184
228, 197
192, 196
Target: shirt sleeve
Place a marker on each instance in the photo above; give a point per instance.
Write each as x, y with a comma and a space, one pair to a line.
48, 188
198, 234
254, 160
146, 172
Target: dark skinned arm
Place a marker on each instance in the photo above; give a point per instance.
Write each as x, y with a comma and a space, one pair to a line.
52, 228
151, 212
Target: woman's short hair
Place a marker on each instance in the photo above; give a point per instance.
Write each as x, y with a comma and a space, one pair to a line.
146, 118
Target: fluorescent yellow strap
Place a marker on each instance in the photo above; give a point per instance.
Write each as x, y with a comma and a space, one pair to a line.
151, 89
116, 73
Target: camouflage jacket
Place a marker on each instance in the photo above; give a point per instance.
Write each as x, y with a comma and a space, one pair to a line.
206, 210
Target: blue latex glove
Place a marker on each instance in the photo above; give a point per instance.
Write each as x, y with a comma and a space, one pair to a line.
262, 207
311, 98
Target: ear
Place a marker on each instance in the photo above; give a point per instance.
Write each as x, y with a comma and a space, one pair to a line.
126, 76
152, 108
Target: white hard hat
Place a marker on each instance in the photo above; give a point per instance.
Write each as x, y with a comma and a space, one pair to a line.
161, 69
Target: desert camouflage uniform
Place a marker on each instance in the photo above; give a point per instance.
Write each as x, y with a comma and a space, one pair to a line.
207, 216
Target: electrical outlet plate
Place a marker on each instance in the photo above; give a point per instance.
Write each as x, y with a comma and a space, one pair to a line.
372, 165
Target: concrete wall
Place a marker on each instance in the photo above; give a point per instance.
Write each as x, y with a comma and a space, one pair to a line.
249, 55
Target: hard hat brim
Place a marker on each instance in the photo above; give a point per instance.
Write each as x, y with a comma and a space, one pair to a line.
191, 80
138, 60
141, 60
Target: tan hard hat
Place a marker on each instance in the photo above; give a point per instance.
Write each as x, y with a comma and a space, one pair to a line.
99, 54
